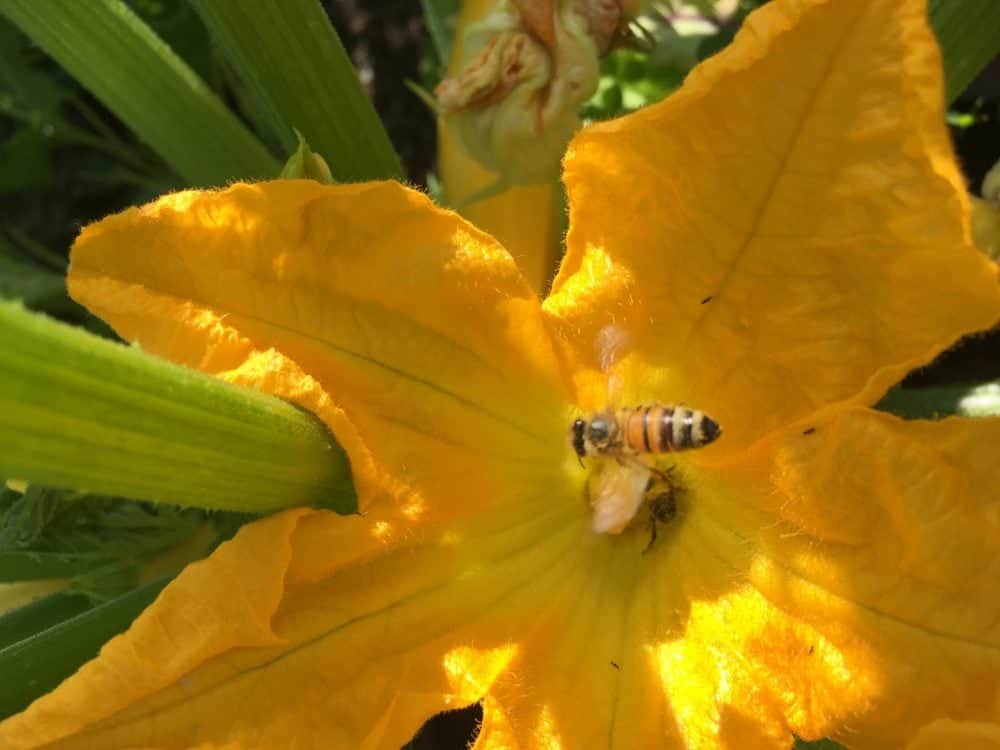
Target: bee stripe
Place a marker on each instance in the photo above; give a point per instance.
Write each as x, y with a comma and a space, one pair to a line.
631, 421
686, 431
680, 415
653, 414
645, 428
666, 428
698, 435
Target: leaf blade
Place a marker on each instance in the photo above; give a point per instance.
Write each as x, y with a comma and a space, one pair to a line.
291, 57
967, 33
114, 54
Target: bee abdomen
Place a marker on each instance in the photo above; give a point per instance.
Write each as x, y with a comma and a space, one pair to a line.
663, 428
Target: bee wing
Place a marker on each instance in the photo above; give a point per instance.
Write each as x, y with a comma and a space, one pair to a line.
616, 496
611, 344
612, 341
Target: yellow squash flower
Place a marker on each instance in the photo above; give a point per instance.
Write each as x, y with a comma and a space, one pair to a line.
781, 240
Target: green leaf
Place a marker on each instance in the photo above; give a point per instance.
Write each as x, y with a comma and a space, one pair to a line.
84, 413
440, 17
24, 161
47, 658
291, 57
24, 517
27, 565
22, 83
113, 53
38, 287
969, 34
67, 523
25, 621
930, 403
99, 546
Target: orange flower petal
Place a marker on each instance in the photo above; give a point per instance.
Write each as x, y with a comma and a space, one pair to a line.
730, 633
875, 600
788, 230
525, 219
411, 333
306, 631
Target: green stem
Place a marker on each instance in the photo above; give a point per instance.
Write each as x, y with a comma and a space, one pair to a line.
83, 413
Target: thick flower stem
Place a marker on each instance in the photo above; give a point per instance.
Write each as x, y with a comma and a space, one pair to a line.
80, 412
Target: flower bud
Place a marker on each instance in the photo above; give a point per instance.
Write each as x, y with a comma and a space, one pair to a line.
991, 185
526, 69
986, 226
986, 214
306, 164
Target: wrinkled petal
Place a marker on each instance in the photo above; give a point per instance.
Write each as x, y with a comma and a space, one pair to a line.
408, 331
874, 599
788, 230
304, 632
864, 614
307, 631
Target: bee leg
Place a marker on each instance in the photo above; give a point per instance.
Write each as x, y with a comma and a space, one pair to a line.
652, 533
664, 506
664, 475
662, 509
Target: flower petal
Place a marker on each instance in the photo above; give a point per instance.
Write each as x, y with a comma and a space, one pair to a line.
310, 628
967, 735
868, 628
526, 219
875, 605
305, 631
417, 325
788, 230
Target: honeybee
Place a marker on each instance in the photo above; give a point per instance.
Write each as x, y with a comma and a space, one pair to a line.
626, 434
658, 428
